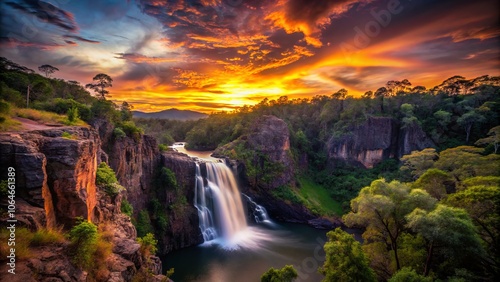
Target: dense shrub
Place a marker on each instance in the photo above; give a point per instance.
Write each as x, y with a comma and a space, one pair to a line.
131, 130
148, 244
167, 178
83, 244
143, 224
47, 236
106, 178
118, 133
105, 174
73, 115
126, 208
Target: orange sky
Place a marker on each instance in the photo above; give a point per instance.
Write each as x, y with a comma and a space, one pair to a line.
211, 55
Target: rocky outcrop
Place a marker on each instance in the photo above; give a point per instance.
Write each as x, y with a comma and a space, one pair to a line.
412, 138
375, 140
54, 173
134, 161
55, 183
267, 144
183, 230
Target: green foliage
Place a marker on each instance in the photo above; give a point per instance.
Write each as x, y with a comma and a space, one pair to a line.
317, 198
44, 236
131, 130
482, 202
345, 260
83, 239
4, 108
419, 161
105, 177
148, 244
165, 131
434, 181
167, 178
287, 193
105, 174
73, 115
104, 109
407, 274
344, 182
465, 161
451, 237
381, 209
67, 135
492, 139
143, 224
126, 208
118, 133
285, 274
162, 147
126, 112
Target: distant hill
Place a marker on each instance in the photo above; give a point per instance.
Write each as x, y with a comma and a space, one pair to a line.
171, 114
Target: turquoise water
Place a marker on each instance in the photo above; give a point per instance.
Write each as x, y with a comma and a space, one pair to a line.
276, 245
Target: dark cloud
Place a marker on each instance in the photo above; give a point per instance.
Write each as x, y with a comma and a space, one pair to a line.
79, 38
314, 11
46, 12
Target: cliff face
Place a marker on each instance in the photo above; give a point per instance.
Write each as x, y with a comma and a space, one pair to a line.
134, 162
53, 173
269, 141
183, 230
55, 180
377, 139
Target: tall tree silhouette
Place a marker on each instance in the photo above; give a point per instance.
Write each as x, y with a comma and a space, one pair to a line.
101, 82
47, 69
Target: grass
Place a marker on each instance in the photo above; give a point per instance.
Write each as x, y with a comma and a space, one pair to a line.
23, 239
46, 237
9, 124
45, 117
317, 198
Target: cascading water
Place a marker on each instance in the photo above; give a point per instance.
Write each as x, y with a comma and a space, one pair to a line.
221, 210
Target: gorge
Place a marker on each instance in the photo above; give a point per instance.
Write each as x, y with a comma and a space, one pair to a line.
240, 240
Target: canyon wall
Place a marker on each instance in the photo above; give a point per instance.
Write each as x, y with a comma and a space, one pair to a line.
55, 184
375, 140
268, 142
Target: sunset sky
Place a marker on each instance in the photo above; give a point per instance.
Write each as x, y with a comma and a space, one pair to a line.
210, 55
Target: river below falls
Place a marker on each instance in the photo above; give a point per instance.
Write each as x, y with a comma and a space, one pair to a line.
280, 244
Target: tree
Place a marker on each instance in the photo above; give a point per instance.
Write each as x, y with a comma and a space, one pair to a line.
345, 260
368, 94
409, 117
126, 111
493, 138
482, 202
407, 274
285, 274
443, 118
47, 70
418, 89
83, 243
434, 181
419, 161
449, 233
381, 209
381, 93
466, 161
102, 81
468, 119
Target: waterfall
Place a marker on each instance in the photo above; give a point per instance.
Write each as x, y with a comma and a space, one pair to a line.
220, 207
258, 211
